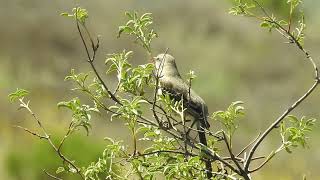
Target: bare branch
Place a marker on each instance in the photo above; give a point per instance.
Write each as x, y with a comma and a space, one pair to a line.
271, 155
51, 176
32, 133
247, 146
165, 151
70, 130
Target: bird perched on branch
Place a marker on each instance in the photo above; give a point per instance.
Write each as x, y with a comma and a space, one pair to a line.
172, 84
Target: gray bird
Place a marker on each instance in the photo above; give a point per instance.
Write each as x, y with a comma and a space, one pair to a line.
172, 83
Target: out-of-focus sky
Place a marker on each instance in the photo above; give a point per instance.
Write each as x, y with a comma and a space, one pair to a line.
233, 58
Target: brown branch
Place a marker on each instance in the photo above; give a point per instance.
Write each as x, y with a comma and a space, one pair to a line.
91, 59
48, 138
206, 131
233, 158
230, 151
276, 123
247, 146
51, 176
291, 38
295, 104
241, 160
32, 133
271, 155
142, 120
70, 130
165, 151
215, 157
157, 78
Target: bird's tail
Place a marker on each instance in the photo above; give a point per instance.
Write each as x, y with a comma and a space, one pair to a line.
204, 122
203, 140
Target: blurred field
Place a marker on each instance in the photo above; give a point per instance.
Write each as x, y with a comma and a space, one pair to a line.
233, 58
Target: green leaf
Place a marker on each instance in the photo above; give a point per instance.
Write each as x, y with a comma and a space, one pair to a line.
65, 14
288, 150
63, 104
241, 8
109, 140
77, 13
294, 133
60, 170
229, 117
130, 16
294, 3
264, 24
140, 28
124, 29
19, 93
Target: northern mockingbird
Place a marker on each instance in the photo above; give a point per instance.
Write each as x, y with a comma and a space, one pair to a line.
172, 84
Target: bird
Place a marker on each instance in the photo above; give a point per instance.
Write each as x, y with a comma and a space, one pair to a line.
171, 83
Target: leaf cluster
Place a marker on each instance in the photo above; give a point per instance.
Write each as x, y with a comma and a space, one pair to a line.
78, 13
81, 113
229, 117
140, 28
130, 80
294, 132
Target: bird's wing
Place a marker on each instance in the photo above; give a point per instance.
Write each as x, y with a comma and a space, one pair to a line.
177, 89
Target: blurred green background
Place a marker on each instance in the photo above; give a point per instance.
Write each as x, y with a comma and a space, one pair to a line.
233, 58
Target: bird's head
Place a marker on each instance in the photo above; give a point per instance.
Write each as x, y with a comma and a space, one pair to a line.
166, 65
163, 59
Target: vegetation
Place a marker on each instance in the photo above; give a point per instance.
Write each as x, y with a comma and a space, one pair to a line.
157, 121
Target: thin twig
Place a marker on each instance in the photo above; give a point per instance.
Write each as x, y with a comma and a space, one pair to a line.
215, 157
247, 146
243, 173
157, 77
242, 160
51, 176
91, 59
31, 132
70, 130
165, 151
48, 138
271, 155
